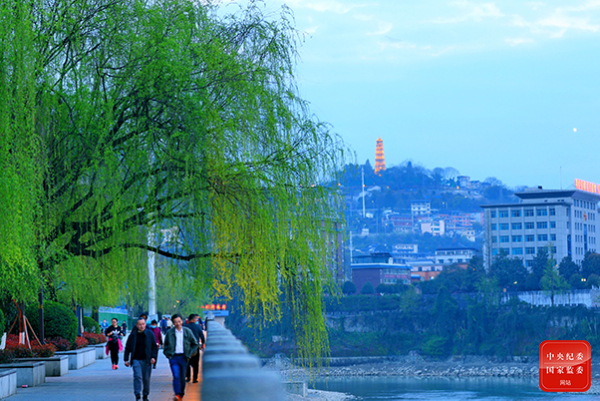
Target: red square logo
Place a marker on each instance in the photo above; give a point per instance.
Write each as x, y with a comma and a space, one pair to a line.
565, 366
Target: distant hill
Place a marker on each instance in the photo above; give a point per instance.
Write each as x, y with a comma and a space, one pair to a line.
445, 188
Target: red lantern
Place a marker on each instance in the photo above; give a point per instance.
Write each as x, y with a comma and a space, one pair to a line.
224, 307
212, 307
218, 307
207, 306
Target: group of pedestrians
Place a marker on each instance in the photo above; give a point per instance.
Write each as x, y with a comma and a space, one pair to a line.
181, 346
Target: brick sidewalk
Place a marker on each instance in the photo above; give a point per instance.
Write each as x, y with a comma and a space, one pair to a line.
98, 382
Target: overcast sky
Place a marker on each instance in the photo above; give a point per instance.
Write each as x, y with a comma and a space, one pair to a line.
490, 88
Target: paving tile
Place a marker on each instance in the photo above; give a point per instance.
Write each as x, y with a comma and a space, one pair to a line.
98, 382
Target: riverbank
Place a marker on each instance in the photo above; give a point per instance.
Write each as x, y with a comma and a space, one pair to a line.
320, 395
526, 367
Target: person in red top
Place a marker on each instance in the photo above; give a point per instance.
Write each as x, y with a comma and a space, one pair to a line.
158, 335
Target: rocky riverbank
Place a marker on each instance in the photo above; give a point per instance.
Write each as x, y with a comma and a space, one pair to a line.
320, 395
418, 367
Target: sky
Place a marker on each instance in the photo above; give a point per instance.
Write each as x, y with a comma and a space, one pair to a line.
505, 89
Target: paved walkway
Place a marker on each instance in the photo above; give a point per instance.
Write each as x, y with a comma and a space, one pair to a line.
98, 382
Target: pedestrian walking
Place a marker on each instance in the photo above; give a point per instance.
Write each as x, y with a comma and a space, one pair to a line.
196, 327
104, 325
141, 352
169, 323
157, 335
114, 333
163, 324
179, 346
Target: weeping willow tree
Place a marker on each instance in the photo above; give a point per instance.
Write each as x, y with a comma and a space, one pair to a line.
126, 121
20, 175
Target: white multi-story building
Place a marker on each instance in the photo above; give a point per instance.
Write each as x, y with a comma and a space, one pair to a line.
420, 208
454, 255
565, 221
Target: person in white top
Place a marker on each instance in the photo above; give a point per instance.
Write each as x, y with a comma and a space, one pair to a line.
180, 345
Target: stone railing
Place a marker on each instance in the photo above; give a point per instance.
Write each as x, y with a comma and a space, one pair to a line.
230, 372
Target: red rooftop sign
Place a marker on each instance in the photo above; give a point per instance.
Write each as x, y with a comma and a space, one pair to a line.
587, 186
565, 366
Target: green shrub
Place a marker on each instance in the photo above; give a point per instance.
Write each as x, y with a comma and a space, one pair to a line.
435, 346
2, 323
90, 325
59, 321
367, 289
7, 356
349, 288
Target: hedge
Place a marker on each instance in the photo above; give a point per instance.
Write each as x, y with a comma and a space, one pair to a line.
91, 326
2, 323
59, 321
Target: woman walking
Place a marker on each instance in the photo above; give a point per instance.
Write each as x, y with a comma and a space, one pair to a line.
157, 335
114, 334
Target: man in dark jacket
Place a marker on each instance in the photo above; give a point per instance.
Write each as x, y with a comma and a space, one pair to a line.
179, 346
141, 352
196, 328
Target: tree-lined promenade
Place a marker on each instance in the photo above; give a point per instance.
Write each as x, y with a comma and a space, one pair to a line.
171, 127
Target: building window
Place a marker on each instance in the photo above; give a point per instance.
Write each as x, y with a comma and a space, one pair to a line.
503, 213
504, 238
542, 211
530, 250
552, 211
528, 212
553, 224
494, 227
552, 249
494, 239
493, 214
495, 251
542, 237
529, 226
515, 213
529, 238
517, 226
517, 238
529, 263
503, 226
552, 237
542, 224
517, 251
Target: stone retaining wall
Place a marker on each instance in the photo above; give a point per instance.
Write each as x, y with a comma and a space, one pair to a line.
80, 358
8, 382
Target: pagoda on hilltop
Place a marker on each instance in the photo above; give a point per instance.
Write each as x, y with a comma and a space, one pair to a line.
379, 157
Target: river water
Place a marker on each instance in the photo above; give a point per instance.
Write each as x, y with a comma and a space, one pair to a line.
453, 389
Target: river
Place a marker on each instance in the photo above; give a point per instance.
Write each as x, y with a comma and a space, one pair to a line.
455, 389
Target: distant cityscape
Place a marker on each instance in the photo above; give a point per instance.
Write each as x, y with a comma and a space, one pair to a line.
407, 224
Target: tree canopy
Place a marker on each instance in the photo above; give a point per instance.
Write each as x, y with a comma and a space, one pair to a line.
164, 126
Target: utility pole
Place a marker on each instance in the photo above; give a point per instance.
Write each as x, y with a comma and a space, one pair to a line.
364, 194
151, 279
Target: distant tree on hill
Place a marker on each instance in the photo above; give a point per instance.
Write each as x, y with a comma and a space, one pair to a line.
576, 281
493, 181
593, 280
450, 173
590, 264
553, 283
509, 272
568, 268
538, 265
